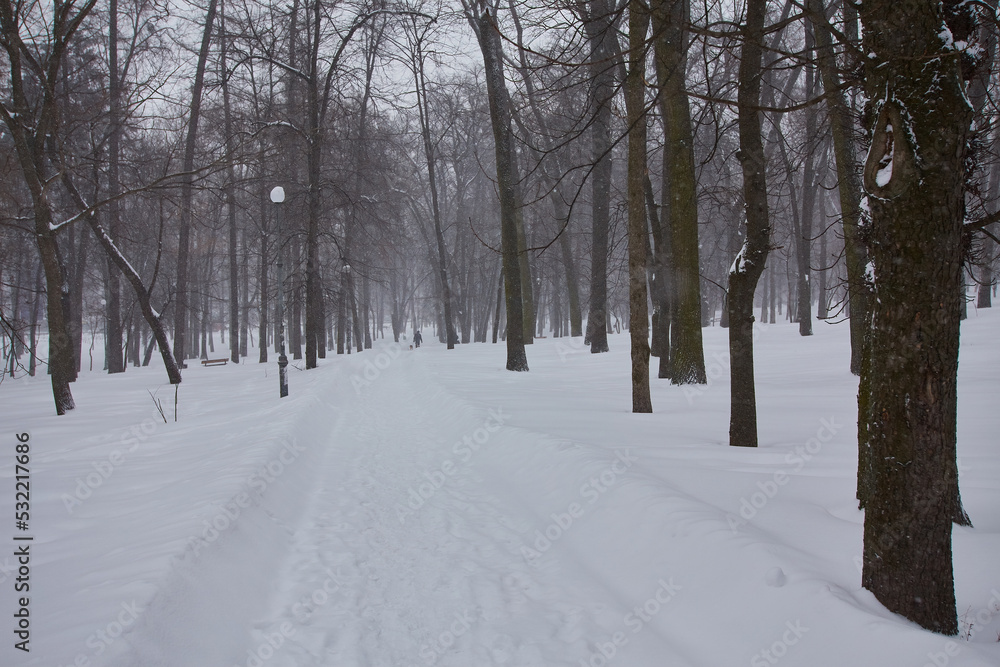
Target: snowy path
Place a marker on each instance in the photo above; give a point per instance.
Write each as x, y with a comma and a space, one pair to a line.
409, 555
420, 508
447, 514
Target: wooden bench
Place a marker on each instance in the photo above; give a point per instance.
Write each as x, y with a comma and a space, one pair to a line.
214, 362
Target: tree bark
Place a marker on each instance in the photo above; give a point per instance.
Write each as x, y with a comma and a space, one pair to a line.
113, 306
230, 188
598, 23
29, 124
914, 181
687, 360
635, 93
809, 186
507, 178
749, 263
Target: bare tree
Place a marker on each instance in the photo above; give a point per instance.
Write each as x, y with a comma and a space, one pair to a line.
483, 19
749, 264
35, 38
635, 100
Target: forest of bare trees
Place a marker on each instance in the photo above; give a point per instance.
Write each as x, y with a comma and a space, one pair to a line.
502, 171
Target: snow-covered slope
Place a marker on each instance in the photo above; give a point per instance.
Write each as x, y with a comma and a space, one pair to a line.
427, 507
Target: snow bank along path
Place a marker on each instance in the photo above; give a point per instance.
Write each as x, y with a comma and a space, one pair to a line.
429, 508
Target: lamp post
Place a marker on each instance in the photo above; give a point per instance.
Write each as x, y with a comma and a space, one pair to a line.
278, 196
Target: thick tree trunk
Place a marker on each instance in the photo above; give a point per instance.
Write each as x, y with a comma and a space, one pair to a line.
113, 310
507, 179
635, 92
61, 363
687, 359
749, 263
914, 180
599, 27
314, 330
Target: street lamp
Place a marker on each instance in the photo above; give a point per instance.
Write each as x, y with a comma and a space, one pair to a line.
278, 196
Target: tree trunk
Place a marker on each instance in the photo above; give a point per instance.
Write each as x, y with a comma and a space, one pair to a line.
35, 310
662, 282
523, 263
314, 330
230, 188
113, 345
366, 310
77, 287
680, 197
635, 92
423, 104
848, 185
507, 178
187, 191
822, 309
914, 180
599, 27
749, 263
809, 186
244, 292
553, 185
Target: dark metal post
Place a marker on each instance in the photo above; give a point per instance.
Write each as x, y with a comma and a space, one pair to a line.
278, 196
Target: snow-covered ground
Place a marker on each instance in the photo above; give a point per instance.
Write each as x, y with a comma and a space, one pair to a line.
427, 507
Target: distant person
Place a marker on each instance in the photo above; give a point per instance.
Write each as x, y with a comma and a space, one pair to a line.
417, 338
